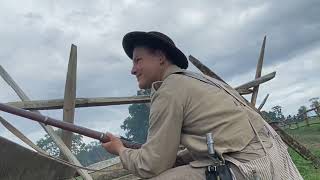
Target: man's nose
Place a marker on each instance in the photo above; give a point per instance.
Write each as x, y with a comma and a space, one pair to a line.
133, 70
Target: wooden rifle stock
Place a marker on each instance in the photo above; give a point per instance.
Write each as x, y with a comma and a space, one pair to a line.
102, 137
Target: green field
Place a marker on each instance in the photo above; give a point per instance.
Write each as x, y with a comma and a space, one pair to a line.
310, 137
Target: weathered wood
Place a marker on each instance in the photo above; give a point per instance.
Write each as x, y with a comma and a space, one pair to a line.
263, 102
48, 129
258, 73
299, 148
257, 81
20, 135
89, 102
41, 152
116, 171
105, 163
18, 162
112, 169
204, 69
70, 95
244, 91
80, 102
106, 101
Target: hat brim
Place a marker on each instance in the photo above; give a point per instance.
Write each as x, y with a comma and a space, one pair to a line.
131, 39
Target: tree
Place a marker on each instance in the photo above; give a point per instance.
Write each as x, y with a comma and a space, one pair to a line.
275, 115
302, 115
136, 125
278, 113
93, 153
302, 112
86, 153
315, 104
48, 145
269, 116
289, 120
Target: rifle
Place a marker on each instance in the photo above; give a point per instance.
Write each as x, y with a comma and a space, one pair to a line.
102, 137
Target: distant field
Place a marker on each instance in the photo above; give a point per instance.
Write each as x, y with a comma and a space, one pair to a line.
313, 120
307, 135
310, 137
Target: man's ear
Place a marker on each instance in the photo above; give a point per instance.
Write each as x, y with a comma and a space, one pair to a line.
162, 56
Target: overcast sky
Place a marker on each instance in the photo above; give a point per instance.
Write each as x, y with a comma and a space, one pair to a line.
35, 40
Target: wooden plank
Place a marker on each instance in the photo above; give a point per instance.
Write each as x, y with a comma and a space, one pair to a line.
105, 163
21, 136
263, 102
70, 95
48, 129
257, 81
80, 102
258, 73
244, 91
204, 69
41, 152
89, 102
18, 162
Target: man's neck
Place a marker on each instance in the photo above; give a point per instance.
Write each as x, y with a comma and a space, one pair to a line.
169, 70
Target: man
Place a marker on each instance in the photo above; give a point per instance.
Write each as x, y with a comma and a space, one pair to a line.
185, 107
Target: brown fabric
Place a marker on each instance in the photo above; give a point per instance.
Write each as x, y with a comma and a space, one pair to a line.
254, 149
182, 173
183, 110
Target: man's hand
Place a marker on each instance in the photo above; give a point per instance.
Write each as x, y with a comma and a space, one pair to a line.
114, 146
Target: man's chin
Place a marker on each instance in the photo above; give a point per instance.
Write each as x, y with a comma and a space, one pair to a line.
144, 86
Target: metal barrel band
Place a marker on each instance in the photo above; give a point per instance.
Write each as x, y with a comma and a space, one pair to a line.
46, 118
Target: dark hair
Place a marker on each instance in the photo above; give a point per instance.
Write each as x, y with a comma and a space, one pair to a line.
152, 48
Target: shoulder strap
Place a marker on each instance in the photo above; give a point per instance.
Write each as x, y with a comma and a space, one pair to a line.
213, 82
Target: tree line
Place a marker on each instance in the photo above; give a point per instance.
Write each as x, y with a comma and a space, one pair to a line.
276, 115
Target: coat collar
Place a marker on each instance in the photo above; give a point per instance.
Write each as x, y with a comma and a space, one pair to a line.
171, 70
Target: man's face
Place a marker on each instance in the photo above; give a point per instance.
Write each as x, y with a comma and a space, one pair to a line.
146, 67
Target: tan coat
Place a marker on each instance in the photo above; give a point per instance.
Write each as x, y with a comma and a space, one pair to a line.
183, 110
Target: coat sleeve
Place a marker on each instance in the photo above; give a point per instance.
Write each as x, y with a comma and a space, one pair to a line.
159, 152
185, 156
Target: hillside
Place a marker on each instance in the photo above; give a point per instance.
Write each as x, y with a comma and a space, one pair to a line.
310, 137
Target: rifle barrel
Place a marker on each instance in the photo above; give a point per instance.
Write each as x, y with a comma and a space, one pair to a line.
102, 137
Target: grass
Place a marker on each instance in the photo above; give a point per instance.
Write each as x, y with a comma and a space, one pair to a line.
306, 169
310, 137
307, 135
313, 120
